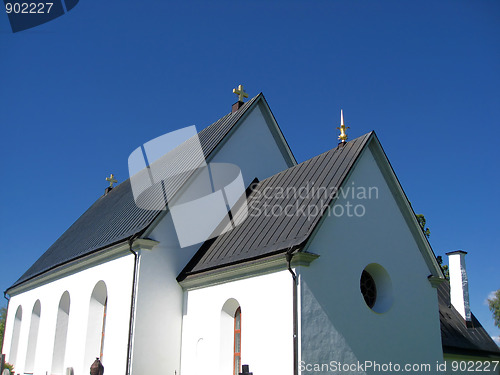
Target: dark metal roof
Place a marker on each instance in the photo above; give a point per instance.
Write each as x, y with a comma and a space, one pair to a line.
275, 220
456, 337
262, 235
115, 217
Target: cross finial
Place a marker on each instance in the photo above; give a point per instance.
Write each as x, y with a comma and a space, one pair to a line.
343, 135
111, 179
241, 93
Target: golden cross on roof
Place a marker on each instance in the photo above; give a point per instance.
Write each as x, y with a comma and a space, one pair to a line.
111, 180
343, 135
241, 93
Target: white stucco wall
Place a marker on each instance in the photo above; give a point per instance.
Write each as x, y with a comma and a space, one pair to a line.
158, 318
336, 324
158, 322
117, 275
266, 326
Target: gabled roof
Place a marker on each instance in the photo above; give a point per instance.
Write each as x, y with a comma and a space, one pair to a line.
115, 217
456, 337
261, 234
265, 236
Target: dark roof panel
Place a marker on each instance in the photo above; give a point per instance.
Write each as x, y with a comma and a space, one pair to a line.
115, 217
456, 337
276, 218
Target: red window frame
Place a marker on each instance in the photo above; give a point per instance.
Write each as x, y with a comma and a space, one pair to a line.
105, 311
237, 343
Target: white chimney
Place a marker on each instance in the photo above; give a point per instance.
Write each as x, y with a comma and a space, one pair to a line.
459, 286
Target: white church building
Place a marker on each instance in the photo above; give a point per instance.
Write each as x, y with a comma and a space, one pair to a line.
302, 275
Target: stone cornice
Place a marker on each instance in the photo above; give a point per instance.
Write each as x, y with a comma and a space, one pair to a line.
101, 256
257, 267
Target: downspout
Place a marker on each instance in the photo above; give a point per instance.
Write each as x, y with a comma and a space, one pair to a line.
2, 359
289, 256
128, 368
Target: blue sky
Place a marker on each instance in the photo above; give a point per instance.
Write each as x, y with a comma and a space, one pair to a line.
81, 92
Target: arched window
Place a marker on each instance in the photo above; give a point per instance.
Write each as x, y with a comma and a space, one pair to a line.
61, 335
237, 341
230, 338
33, 337
15, 335
96, 324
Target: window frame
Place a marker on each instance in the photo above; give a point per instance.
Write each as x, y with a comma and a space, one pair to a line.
237, 355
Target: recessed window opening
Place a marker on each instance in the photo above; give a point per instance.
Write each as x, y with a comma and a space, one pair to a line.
376, 288
33, 338
368, 289
237, 341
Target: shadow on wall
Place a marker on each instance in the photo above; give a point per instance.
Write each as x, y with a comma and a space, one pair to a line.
322, 342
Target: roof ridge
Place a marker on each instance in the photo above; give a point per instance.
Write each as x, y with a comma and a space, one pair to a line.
319, 155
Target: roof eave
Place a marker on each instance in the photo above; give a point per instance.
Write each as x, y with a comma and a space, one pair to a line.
245, 269
88, 260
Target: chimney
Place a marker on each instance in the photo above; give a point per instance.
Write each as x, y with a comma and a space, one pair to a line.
236, 106
459, 285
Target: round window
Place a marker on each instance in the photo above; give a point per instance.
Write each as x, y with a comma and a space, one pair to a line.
376, 288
